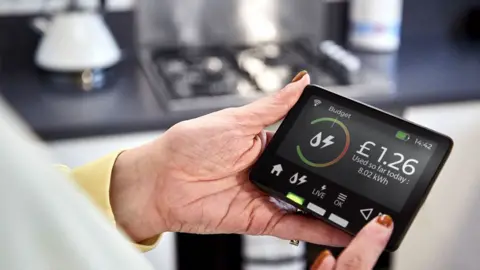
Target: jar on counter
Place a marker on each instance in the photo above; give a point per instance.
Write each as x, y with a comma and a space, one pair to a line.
375, 25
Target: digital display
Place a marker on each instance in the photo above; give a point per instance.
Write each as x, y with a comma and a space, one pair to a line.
362, 154
346, 163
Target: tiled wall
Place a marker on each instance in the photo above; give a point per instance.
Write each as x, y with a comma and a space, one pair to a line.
8, 7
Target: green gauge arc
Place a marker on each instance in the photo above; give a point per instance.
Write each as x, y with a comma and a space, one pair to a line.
344, 151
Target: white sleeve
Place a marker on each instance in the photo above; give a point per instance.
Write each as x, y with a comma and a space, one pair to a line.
46, 221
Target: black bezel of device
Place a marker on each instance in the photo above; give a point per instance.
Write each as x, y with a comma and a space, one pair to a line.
260, 172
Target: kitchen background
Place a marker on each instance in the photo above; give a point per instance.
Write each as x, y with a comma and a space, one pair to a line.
183, 59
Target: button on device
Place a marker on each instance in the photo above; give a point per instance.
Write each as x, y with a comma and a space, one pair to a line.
297, 179
320, 193
276, 169
317, 209
295, 198
340, 221
340, 200
366, 213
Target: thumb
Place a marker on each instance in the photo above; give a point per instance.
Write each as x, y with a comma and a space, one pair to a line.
269, 110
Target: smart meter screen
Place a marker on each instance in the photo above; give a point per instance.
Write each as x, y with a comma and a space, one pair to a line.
371, 158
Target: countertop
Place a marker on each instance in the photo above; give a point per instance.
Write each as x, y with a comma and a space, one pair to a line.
424, 73
57, 112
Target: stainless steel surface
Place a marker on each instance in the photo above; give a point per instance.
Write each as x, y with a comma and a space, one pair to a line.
203, 22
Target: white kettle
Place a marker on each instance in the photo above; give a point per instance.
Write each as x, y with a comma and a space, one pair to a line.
75, 41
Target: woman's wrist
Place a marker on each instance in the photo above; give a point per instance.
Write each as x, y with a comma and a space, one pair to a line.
131, 195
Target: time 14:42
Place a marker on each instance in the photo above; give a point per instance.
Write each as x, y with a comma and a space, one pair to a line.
423, 143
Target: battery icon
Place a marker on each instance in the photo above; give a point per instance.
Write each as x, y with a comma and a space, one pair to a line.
402, 136
295, 198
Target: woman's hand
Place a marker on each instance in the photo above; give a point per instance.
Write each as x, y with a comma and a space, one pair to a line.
194, 178
363, 252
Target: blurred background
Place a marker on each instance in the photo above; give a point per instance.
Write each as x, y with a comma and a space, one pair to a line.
91, 77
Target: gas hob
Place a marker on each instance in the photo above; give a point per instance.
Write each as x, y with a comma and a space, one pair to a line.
187, 78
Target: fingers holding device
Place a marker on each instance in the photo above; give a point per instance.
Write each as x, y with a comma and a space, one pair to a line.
364, 250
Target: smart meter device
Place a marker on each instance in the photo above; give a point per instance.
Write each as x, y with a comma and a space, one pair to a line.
346, 163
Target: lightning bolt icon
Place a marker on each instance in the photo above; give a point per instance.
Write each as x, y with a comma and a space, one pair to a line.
327, 141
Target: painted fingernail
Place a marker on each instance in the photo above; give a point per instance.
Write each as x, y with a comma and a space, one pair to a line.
299, 76
385, 220
321, 257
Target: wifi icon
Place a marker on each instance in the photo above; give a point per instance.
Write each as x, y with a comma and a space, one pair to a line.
316, 102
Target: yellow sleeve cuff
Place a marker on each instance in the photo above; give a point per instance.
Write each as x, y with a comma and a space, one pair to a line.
95, 178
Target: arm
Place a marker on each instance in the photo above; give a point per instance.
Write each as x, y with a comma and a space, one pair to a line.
95, 178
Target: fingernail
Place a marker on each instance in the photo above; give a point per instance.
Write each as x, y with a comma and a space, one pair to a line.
321, 257
385, 220
299, 76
